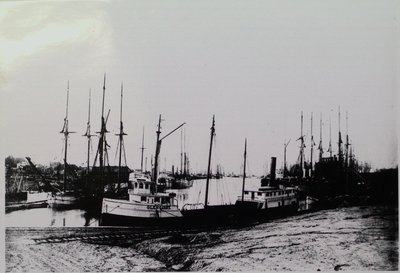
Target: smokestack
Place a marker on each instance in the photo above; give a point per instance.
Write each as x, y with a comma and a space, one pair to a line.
273, 168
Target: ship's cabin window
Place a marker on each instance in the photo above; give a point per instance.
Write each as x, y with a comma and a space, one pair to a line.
259, 193
140, 185
246, 192
143, 198
135, 184
146, 186
157, 199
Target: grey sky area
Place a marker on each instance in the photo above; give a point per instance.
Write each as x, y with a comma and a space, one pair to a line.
254, 64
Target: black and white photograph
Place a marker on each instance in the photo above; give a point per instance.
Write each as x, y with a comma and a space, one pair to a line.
163, 136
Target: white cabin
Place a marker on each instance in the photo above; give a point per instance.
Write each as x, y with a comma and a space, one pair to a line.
272, 197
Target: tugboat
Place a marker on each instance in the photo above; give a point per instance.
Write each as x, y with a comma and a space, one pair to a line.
145, 205
271, 199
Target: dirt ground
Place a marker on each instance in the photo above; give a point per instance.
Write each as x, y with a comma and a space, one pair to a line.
356, 239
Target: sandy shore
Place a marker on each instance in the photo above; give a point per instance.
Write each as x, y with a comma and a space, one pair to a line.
357, 239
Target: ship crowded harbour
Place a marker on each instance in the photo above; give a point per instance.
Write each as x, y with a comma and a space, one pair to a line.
116, 206
121, 196
143, 136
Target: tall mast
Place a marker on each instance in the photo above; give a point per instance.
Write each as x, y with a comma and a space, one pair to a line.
244, 167
347, 142
340, 152
102, 130
301, 147
142, 148
158, 147
155, 171
312, 146
89, 136
321, 150
181, 151
209, 160
330, 138
102, 146
121, 141
66, 135
284, 158
185, 167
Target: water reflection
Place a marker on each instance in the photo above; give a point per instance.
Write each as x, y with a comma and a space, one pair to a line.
50, 217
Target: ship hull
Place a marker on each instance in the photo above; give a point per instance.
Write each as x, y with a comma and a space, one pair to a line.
253, 211
116, 212
211, 215
108, 219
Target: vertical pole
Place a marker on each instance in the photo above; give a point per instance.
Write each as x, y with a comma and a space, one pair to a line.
340, 152
302, 146
121, 141
141, 158
312, 146
102, 132
155, 173
330, 138
347, 142
66, 141
181, 151
284, 159
88, 135
244, 167
320, 138
209, 161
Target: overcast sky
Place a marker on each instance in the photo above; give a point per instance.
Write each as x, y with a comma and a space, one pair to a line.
254, 64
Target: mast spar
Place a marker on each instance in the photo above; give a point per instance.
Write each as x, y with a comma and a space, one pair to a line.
142, 148
102, 146
209, 161
321, 151
347, 141
66, 135
312, 146
121, 141
158, 148
302, 146
185, 159
89, 136
284, 158
244, 167
340, 151
181, 152
330, 138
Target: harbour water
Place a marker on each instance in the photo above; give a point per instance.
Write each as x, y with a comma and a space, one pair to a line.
345, 238
222, 191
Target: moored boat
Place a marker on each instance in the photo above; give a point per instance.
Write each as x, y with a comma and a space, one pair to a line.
145, 204
143, 207
270, 200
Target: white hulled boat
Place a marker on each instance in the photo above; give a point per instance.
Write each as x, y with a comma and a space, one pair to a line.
145, 205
